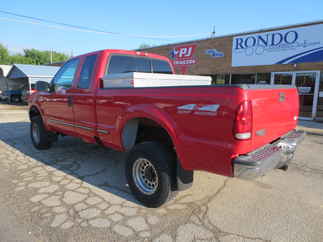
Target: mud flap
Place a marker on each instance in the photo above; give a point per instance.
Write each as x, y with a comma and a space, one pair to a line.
184, 178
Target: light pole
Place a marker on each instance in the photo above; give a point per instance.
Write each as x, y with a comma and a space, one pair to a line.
51, 56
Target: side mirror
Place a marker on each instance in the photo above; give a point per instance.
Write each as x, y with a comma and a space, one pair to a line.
42, 86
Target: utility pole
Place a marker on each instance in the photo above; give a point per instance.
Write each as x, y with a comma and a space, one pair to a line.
51, 56
213, 32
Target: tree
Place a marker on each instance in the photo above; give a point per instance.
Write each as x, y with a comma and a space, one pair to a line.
30, 56
44, 57
145, 46
59, 57
38, 57
20, 59
4, 55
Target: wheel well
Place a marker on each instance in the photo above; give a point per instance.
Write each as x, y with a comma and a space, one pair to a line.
33, 111
143, 129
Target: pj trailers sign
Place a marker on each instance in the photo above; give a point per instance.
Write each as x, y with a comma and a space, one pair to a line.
183, 56
290, 46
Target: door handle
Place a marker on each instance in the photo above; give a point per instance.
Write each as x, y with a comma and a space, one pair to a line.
70, 101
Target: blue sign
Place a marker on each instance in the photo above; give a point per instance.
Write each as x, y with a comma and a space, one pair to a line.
288, 46
214, 53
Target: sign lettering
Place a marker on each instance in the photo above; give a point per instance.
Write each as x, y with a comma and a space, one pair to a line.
182, 56
289, 46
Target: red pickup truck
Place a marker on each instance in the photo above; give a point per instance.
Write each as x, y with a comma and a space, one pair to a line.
237, 131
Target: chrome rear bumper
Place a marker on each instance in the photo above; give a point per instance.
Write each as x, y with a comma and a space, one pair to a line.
269, 157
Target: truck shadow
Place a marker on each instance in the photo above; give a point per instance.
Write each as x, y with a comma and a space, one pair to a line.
90, 163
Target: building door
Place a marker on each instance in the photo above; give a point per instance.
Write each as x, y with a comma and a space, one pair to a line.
307, 83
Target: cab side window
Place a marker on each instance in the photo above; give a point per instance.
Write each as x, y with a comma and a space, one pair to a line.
65, 76
87, 71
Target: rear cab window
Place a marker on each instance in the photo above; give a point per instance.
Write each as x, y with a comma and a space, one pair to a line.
124, 64
160, 66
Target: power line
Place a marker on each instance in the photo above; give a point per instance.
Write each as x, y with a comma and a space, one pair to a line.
39, 23
55, 24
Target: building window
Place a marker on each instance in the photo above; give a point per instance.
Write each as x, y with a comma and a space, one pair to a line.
243, 79
263, 78
221, 79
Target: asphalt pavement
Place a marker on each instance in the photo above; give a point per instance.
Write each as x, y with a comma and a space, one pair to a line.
78, 192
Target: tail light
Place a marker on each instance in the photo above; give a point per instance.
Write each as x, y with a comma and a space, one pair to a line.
243, 121
32, 91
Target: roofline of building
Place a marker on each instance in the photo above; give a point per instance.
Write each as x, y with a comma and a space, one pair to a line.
240, 33
29, 76
40, 76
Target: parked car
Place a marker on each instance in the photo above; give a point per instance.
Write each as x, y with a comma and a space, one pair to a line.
237, 131
13, 96
2, 96
27, 92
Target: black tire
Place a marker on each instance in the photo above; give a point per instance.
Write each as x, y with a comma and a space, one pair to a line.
18, 99
14, 99
44, 140
163, 159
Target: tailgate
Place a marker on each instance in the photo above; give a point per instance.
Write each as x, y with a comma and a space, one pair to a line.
275, 112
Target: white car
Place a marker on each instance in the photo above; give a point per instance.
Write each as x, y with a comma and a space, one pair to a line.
2, 96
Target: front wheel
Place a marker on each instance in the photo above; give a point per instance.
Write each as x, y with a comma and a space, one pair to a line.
149, 171
40, 137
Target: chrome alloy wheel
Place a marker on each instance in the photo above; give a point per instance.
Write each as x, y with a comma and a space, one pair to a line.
35, 133
145, 176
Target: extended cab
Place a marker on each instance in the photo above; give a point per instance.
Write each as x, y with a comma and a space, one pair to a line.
170, 131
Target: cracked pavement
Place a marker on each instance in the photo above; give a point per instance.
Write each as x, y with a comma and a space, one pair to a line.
77, 192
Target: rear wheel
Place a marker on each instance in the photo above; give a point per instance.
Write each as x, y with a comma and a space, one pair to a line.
41, 138
149, 171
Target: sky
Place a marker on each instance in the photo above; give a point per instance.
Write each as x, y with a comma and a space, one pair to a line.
138, 22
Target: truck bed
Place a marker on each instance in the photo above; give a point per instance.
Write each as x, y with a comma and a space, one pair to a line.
204, 118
